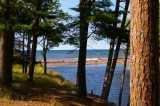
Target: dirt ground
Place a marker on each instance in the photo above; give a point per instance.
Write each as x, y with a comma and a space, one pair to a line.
53, 97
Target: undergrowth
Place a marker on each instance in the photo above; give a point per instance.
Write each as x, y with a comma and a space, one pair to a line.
51, 80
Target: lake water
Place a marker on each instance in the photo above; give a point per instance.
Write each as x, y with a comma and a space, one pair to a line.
95, 78
67, 54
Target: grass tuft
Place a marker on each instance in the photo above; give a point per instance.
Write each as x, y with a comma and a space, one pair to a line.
51, 80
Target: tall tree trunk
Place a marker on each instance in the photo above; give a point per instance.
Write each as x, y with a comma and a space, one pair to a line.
45, 63
6, 56
109, 61
44, 55
34, 46
110, 77
144, 53
123, 75
6, 50
81, 71
28, 53
24, 61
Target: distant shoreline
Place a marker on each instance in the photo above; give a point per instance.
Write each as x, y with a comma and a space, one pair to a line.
74, 61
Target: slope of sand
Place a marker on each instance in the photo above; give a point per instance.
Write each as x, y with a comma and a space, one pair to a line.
74, 61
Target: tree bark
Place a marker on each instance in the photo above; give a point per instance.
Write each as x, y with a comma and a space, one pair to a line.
110, 77
6, 50
85, 6
123, 75
34, 45
28, 53
144, 53
44, 56
24, 61
109, 61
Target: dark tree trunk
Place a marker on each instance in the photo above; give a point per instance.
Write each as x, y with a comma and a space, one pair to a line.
6, 50
110, 77
109, 61
45, 63
32, 60
34, 45
123, 75
6, 56
24, 61
44, 55
28, 53
144, 58
81, 71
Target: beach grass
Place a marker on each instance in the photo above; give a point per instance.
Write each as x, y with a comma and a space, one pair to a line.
52, 79
19, 82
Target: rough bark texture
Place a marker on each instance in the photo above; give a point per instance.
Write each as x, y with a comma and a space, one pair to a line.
104, 96
34, 45
144, 53
6, 50
81, 71
123, 75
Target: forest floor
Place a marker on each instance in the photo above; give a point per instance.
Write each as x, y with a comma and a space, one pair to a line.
45, 90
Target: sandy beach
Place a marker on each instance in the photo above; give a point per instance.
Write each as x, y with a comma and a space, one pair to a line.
74, 61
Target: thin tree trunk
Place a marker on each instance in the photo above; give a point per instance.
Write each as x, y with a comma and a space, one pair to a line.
81, 71
34, 46
144, 53
44, 55
45, 63
32, 60
128, 104
123, 75
6, 51
109, 61
28, 53
110, 77
23, 64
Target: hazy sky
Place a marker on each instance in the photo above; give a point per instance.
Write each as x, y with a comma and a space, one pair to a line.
65, 5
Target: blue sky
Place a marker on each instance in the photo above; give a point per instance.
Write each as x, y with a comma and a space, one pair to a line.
65, 6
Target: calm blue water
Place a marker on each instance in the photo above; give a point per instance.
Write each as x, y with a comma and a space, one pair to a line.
64, 54
95, 77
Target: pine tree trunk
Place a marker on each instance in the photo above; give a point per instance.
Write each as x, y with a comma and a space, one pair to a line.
144, 53
123, 75
24, 62
34, 45
6, 55
81, 71
28, 53
112, 70
45, 63
32, 60
6, 51
109, 61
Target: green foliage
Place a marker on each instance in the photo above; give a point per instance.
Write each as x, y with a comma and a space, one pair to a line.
52, 79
